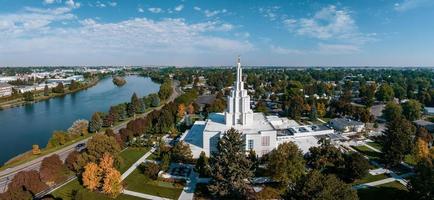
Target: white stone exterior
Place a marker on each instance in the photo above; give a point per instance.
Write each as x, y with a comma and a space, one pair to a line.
261, 133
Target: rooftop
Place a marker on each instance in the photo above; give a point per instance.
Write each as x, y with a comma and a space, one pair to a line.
216, 123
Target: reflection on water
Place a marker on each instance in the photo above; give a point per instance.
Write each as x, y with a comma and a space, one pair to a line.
23, 126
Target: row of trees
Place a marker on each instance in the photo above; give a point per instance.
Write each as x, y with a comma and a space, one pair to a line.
26, 184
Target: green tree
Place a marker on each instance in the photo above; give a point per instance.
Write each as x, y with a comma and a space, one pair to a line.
286, 163
391, 111
155, 101
397, 140
46, 91
296, 107
230, 168
412, 109
165, 90
181, 152
74, 85
385, 93
59, 88
421, 184
165, 161
100, 144
356, 166
28, 96
315, 186
325, 155
95, 123
202, 165
150, 169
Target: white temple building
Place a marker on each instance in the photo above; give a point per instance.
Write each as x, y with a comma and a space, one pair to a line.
261, 133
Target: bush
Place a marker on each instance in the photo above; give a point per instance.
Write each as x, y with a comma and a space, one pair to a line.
150, 169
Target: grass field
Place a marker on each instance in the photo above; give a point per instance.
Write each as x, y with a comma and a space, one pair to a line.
138, 182
376, 145
130, 156
368, 152
393, 190
67, 193
370, 178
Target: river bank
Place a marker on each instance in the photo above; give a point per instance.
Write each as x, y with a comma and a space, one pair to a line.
39, 96
34, 123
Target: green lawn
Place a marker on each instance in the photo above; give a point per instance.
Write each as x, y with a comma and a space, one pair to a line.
370, 178
130, 156
376, 145
67, 192
393, 190
153, 156
138, 182
410, 159
368, 152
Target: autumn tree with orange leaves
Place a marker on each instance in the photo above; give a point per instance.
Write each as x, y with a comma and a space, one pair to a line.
92, 176
181, 110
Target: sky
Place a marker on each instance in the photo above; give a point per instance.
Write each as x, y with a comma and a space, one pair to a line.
214, 33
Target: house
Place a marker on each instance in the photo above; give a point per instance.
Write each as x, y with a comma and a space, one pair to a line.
5, 89
426, 124
346, 125
429, 110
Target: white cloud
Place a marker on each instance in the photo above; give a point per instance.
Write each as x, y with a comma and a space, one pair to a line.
100, 5
49, 1
72, 4
285, 51
212, 13
197, 8
412, 4
31, 35
112, 4
179, 8
155, 10
270, 12
327, 23
140, 10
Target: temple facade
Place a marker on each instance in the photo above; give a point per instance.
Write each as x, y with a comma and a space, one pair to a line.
261, 133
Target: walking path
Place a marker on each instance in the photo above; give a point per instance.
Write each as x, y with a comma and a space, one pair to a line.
137, 163
144, 196
373, 149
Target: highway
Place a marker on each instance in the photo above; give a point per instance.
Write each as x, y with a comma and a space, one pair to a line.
7, 175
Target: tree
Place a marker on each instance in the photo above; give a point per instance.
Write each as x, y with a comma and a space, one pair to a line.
106, 162
46, 91
397, 140
135, 103
165, 161
323, 156
59, 88
190, 109
53, 170
91, 176
150, 169
28, 96
296, 107
356, 166
36, 150
385, 93
165, 90
202, 165
155, 101
321, 109
57, 139
112, 183
313, 115
412, 109
100, 144
75, 162
79, 128
130, 110
391, 111
421, 150
24, 185
95, 123
421, 184
230, 168
286, 163
315, 185
181, 111
74, 85
181, 152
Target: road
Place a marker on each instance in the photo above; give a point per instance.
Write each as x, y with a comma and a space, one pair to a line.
7, 174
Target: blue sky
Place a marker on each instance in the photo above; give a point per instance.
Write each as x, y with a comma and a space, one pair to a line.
191, 33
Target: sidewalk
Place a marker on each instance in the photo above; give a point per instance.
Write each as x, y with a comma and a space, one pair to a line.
144, 196
137, 163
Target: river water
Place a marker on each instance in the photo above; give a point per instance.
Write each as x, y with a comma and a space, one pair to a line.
21, 127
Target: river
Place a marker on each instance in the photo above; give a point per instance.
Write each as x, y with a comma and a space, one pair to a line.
21, 127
